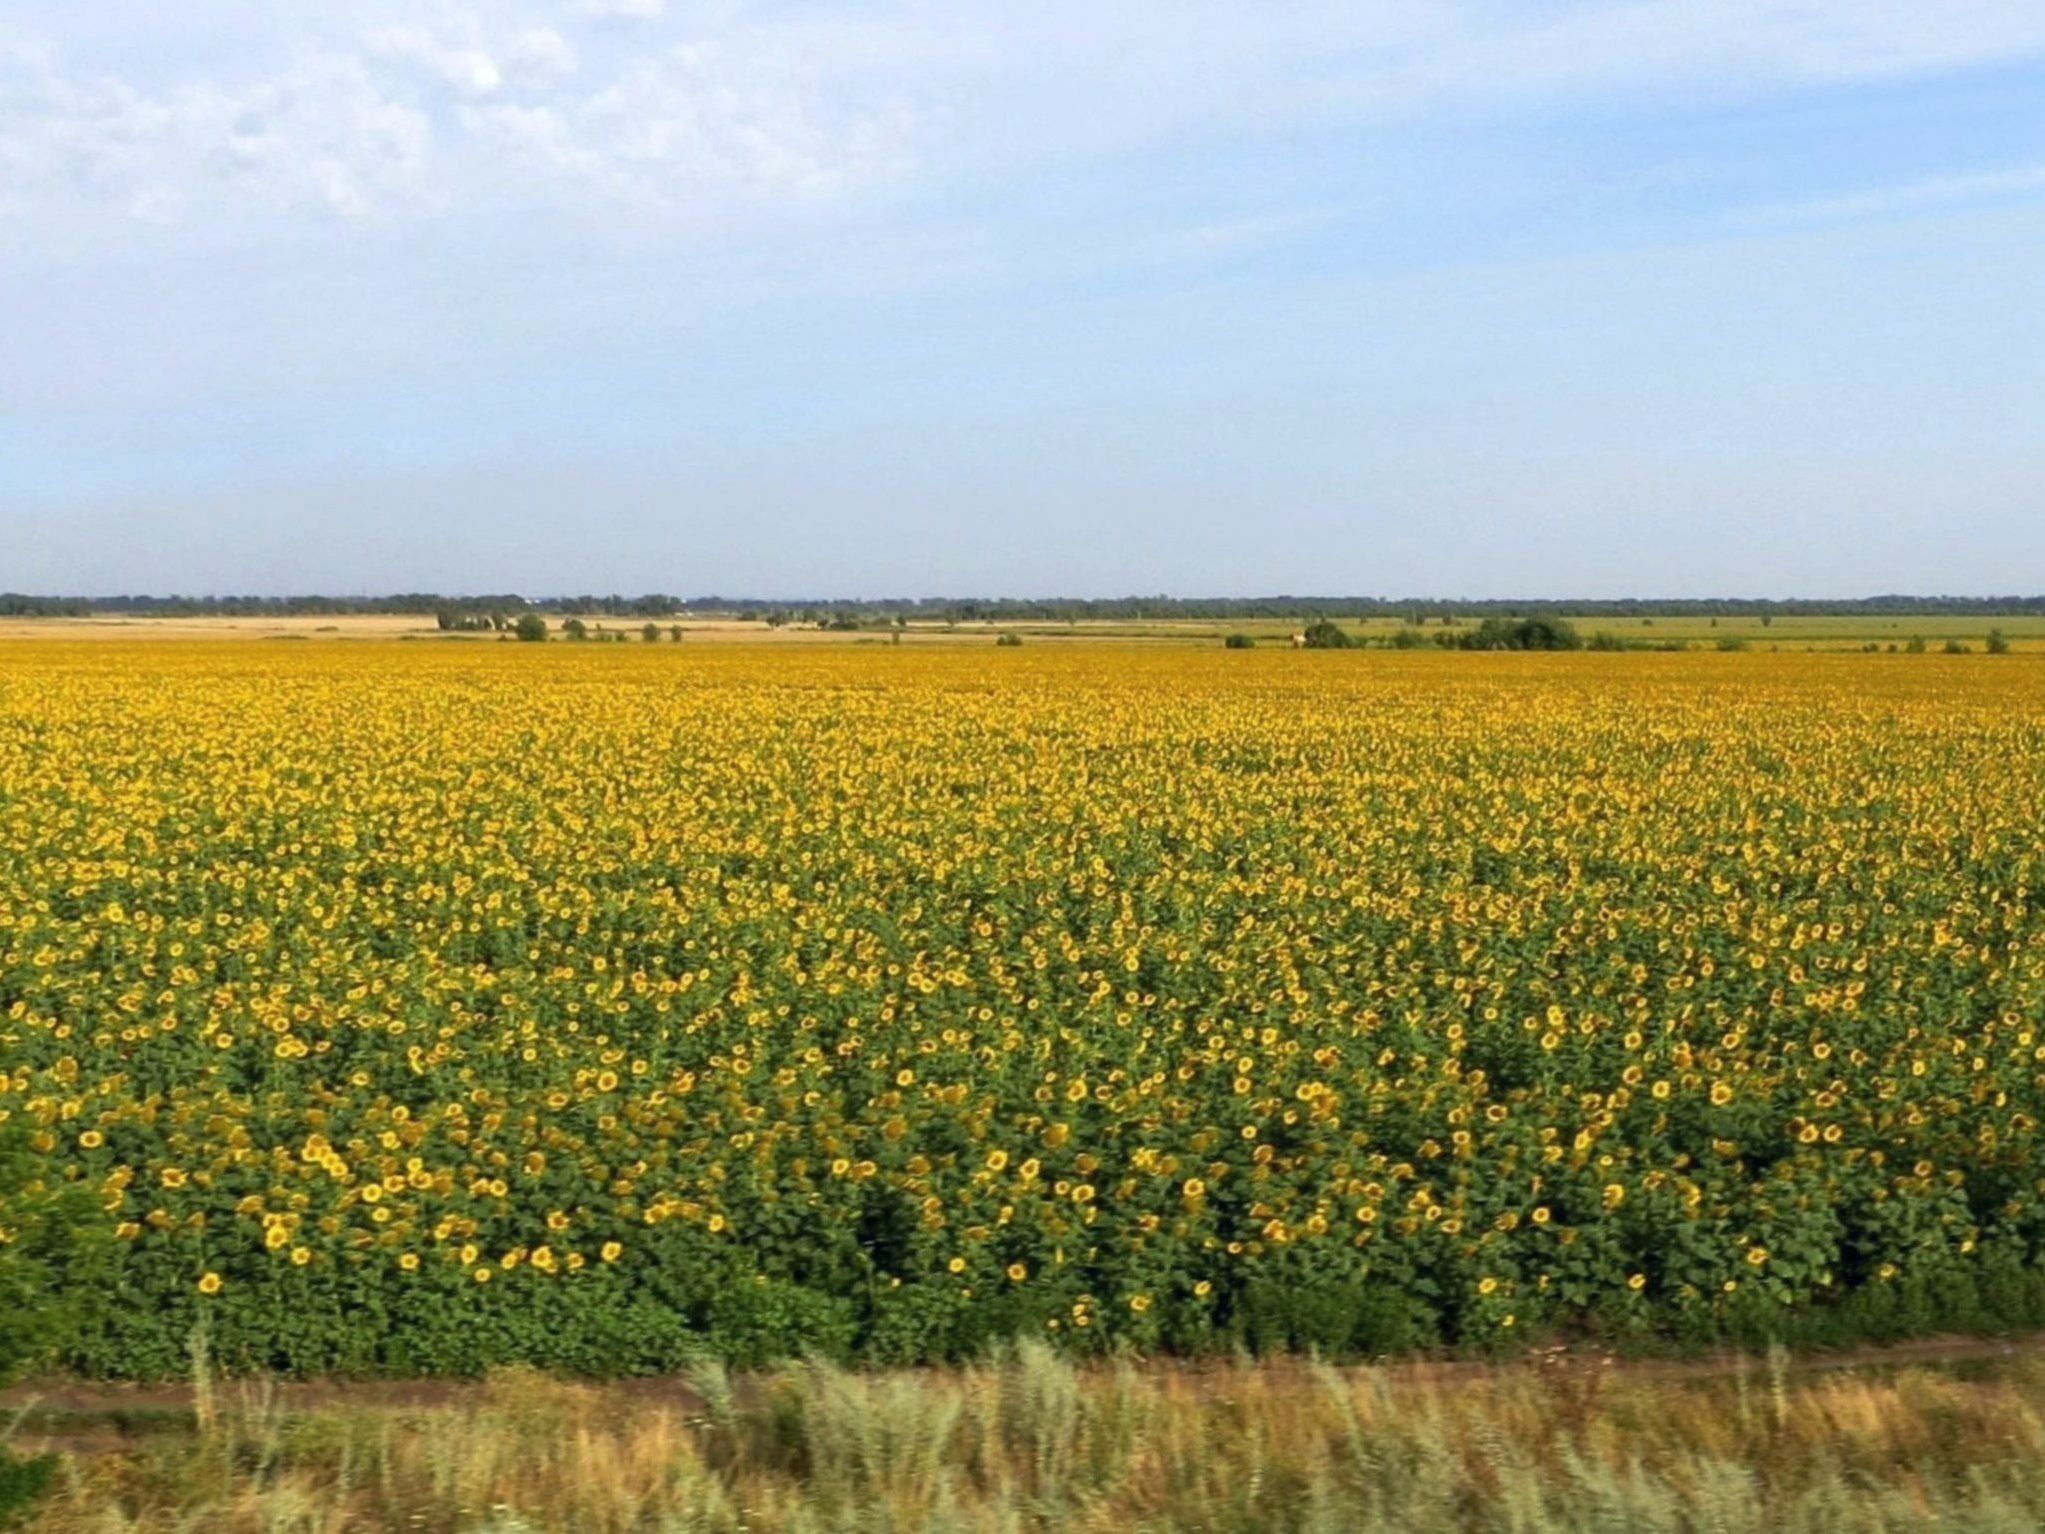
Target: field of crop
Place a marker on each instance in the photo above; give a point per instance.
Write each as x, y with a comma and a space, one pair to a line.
416, 1008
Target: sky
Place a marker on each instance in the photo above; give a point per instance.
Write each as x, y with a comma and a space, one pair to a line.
814, 298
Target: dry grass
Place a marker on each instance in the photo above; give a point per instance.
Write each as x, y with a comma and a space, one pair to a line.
1031, 1444
2026, 632
696, 630
118, 626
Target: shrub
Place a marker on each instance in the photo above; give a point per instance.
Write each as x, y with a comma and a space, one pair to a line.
1547, 634
1955, 647
1324, 634
1916, 645
1010, 641
1239, 642
575, 628
650, 633
1998, 642
531, 628
1536, 633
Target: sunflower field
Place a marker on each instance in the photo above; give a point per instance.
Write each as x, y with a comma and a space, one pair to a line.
417, 1008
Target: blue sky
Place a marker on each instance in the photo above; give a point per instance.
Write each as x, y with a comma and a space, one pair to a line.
1569, 297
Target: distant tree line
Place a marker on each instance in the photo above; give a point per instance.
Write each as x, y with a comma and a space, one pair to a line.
14, 605
874, 612
502, 610
508, 605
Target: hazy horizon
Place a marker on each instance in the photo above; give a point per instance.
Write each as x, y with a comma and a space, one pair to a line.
1597, 296
1431, 603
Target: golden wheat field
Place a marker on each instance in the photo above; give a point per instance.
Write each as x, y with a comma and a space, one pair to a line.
424, 1008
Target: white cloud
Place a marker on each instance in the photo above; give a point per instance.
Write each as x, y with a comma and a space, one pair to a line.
319, 136
1238, 234
443, 116
543, 48
465, 67
2020, 182
445, 106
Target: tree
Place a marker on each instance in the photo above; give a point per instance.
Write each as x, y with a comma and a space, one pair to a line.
1535, 633
650, 633
531, 628
1548, 634
575, 628
1324, 634
1998, 642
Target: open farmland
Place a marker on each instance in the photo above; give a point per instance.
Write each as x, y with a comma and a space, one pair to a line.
415, 1008
1880, 631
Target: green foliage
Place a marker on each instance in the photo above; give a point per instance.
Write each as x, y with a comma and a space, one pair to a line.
24, 1481
1240, 642
47, 1256
1540, 632
46, 1276
1998, 642
531, 628
1009, 640
1325, 634
1333, 1318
